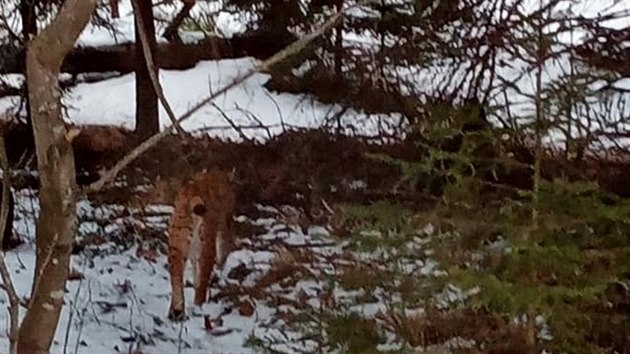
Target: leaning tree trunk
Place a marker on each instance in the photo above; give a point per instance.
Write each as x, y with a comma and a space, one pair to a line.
55, 161
147, 119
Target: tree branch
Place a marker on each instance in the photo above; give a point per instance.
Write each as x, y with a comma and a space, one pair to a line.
292, 49
151, 68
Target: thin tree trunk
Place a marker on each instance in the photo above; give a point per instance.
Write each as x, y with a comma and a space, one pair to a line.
147, 119
29, 30
55, 160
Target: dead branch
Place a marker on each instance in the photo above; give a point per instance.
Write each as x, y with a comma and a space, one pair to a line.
170, 33
14, 300
231, 122
146, 48
253, 117
292, 49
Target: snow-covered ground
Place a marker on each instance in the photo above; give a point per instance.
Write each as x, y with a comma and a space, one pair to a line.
120, 303
118, 298
250, 105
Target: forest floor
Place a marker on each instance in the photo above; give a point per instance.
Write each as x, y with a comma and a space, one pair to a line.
272, 294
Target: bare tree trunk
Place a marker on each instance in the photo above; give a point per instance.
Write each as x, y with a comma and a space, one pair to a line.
29, 30
55, 160
29, 19
147, 119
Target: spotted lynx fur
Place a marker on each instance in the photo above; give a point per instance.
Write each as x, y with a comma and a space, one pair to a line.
200, 231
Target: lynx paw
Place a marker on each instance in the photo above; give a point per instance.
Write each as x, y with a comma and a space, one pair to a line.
177, 315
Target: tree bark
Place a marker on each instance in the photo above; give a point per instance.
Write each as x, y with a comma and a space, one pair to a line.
147, 119
55, 161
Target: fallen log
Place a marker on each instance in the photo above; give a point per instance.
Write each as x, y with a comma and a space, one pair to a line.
170, 56
122, 57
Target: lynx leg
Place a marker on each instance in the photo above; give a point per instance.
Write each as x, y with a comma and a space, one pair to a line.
205, 264
225, 243
179, 246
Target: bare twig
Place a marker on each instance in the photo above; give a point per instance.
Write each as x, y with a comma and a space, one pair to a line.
231, 122
151, 68
14, 300
209, 128
73, 309
275, 103
180, 340
253, 117
292, 49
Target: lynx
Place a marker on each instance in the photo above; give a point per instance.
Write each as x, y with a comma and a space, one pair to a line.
200, 231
